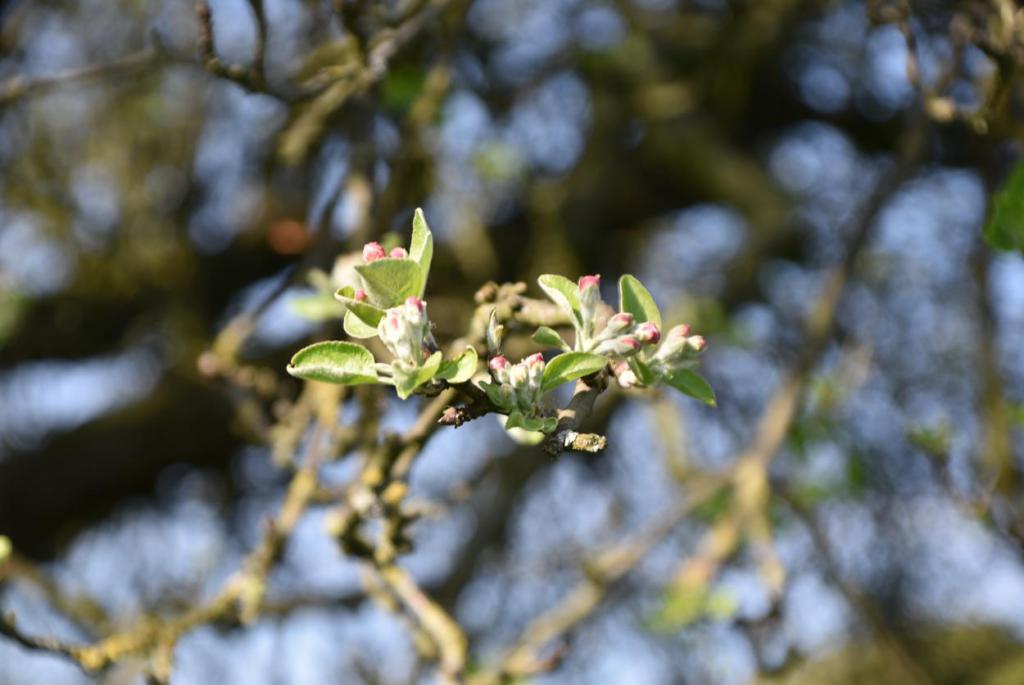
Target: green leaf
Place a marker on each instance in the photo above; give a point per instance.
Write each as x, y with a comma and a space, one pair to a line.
493, 392
690, 383
389, 282
635, 299
644, 373
421, 250
549, 337
545, 424
564, 293
355, 327
460, 369
1005, 227
569, 366
366, 313
406, 383
334, 361
316, 307
521, 436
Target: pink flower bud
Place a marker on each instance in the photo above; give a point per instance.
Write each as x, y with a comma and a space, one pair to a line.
697, 342
373, 251
647, 333
628, 341
534, 359
680, 331
497, 364
620, 322
398, 253
416, 303
588, 281
360, 295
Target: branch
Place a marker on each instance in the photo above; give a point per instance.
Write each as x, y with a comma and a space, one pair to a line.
19, 87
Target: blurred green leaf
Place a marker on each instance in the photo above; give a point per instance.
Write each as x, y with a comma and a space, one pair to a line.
334, 361
562, 292
365, 312
406, 383
635, 299
389, 282
357, 328
549, 337
317, 307
544, 424
421, 249
460, 369
692, 384
570, 366
1005, 227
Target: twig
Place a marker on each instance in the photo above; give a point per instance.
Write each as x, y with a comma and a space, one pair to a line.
19, 87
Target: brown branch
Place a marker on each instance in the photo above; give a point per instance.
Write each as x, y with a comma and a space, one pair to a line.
19, 87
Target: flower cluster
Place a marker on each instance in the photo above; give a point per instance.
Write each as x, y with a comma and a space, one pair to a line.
621, 336
518, 386
405, 330
373, 251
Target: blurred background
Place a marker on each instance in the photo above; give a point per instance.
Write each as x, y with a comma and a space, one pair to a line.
176, 184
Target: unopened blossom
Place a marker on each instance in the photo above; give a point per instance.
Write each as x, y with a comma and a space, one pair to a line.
679, 349
619, 323
647, 333
622, 346
398, 253
519, 384
360, 295
373, 251
499, 368
590, 298
404, 330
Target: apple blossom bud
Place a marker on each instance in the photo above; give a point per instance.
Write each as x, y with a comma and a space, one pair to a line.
518, 375
534, 359
622, 346
398, 253
589, 281
680, 331
647, 333
360, 295
497, 364
624, 375
416, 303
622, 321
373, 251
697, 343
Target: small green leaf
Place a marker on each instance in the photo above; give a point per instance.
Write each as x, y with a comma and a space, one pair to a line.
564, 293
316, 307
366, 313
421, 249
569, 366
460, 369
549, 337
356, 328
493, 392
406, 383
1005, 227
545, 424
690, 383
389, 282
334, 361
635, 299
521, 436
644, 373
